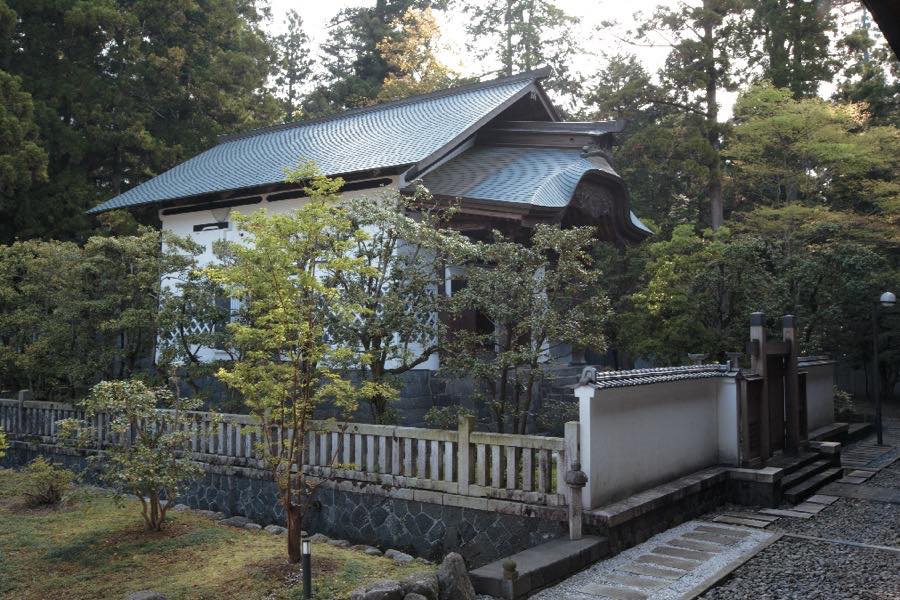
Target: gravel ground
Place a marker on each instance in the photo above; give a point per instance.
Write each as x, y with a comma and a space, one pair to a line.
853, 520
795, 569
889, 477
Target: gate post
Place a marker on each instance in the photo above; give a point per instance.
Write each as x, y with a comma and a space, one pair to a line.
464, 454
758, 355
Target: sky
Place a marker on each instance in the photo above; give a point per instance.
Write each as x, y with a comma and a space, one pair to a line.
590, 13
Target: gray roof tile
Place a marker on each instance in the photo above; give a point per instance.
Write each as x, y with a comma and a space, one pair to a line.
393, 134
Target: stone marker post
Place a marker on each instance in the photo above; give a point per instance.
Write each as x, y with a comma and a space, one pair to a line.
575, 480
464, 454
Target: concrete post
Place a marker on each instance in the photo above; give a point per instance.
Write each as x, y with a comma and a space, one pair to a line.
24, 396
510, 575
464, 454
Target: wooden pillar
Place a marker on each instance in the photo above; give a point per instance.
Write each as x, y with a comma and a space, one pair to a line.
758, 353
791, 383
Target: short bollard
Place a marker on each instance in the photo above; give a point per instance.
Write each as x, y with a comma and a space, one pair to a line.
510, 574
576, 479
307, 568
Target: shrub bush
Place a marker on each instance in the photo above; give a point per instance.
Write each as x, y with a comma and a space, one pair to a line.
46, 484
3, 444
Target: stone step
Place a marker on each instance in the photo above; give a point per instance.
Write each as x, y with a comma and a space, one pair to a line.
833, 433
804, 489
858, 431
540, 566
790, 463
801, 475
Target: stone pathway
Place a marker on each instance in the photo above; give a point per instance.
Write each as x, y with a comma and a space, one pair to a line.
668, 565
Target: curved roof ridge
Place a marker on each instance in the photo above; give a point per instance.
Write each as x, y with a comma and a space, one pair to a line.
535, 74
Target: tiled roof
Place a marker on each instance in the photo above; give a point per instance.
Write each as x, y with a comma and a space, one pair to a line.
538, 176
615, 379
381, 136
541, 177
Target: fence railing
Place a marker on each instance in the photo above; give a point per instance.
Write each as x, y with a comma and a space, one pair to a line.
519, 468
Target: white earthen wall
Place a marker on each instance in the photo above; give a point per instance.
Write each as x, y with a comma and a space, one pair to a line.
633, 438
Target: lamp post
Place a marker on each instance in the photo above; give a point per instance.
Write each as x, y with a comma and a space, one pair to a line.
887, 300
307, 568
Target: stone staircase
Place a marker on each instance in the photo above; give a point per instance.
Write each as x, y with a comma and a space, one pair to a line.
805, 474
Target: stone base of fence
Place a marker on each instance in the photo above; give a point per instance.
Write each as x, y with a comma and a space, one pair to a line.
424, 523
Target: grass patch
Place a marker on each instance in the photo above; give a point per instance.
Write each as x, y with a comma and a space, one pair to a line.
97, 547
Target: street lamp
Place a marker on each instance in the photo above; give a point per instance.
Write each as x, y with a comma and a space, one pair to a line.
887, 300
307, 568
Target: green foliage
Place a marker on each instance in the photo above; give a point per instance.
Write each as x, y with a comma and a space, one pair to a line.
189, 298
147, 461
355, 68
4, 445
446, 417
46, 484
401, 247
411, 51
294, 64
695, 295
287, 365
520, 35
23, 162
123, 90
536, 297
790, 40
71, 315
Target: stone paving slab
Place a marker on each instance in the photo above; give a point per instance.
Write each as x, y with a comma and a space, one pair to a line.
822, 499
786, 513
665, 567
758, 523
753, 516
809, 507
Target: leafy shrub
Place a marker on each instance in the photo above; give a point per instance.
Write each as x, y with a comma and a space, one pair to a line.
3, 444
844, 408
446, 417
46, 484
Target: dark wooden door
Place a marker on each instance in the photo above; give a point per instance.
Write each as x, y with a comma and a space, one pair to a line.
775, 372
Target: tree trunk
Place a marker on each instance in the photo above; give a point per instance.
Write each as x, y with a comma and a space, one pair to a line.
714, 187
294, 516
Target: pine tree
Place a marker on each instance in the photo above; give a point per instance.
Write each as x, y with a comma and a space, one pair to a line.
294, 64
520, 35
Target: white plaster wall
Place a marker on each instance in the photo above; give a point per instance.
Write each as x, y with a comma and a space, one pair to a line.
729, 420
634, 438
819, 396
183, 225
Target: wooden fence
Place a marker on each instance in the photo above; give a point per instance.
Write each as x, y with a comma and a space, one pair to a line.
519, 468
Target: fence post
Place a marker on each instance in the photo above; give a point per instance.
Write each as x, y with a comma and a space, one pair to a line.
575, 480
464, 454
24, 396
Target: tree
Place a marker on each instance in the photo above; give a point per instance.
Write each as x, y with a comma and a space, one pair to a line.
150, 463
399, 287
520, 35
123, 90
870, 75
790, 41
535, 297
23, 162
294, 65
411, 53
704, 39
695, 295
288, 365
192, 319
72, 315
810, 150
662, 154
355, 70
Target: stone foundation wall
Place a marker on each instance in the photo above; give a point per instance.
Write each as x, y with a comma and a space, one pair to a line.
426, 529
